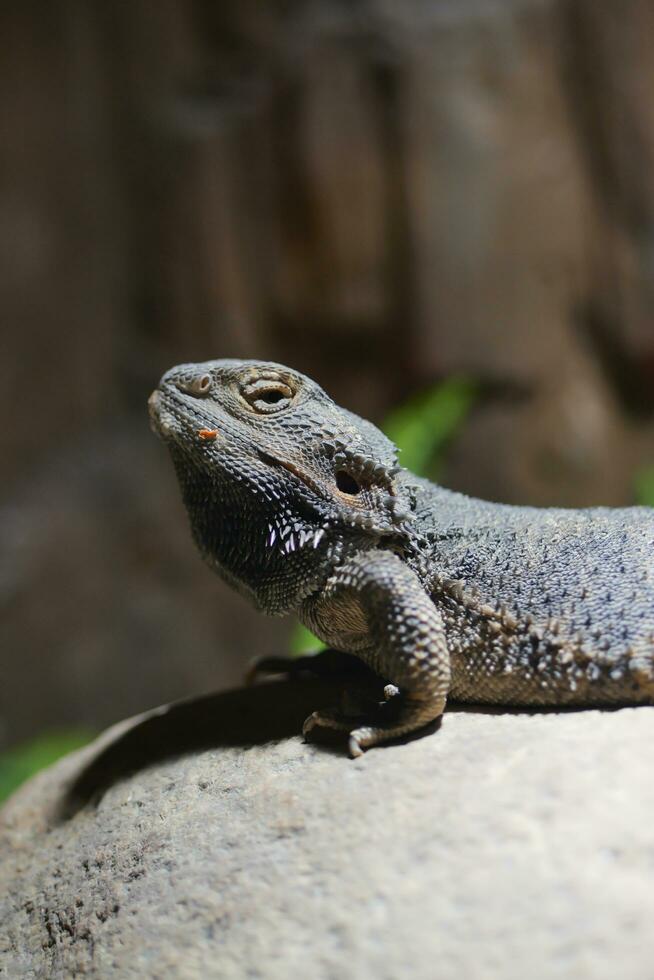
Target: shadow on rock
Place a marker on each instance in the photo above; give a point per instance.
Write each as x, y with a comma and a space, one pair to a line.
243, 717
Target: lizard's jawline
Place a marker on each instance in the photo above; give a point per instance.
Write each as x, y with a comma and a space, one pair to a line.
286, 464
170, 405
364, 520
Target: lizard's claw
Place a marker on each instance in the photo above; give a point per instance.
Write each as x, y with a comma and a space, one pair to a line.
364, 738
403, 718
359, 738
326, 719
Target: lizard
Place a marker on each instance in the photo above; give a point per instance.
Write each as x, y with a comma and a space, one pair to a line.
302, 506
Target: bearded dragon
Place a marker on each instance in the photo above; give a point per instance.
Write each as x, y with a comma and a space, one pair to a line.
303, 507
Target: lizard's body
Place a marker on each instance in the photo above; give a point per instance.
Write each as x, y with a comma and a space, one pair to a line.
301, 506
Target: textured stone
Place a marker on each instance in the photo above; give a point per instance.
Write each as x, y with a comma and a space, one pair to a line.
506, 845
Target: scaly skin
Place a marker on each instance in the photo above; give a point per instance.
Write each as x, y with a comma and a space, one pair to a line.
302, 506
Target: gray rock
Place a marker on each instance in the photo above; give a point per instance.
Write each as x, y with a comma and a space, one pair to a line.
505, 845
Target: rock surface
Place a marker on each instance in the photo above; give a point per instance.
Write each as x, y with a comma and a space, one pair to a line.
505, 845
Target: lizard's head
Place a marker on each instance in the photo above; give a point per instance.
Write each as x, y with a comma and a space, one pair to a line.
279, 482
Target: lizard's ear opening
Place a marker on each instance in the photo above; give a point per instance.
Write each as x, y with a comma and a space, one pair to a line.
346, 483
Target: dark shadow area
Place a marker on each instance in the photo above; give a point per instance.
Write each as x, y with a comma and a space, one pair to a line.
243, 717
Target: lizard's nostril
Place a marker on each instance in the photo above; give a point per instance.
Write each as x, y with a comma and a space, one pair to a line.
199, 386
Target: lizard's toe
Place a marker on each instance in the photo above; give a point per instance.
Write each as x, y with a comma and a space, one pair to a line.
364, 738
413, 716
354, 746
313, 721
326, 719
359, 738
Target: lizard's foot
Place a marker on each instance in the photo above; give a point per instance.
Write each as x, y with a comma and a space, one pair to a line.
412, 716
397, 716
355, 705
327, 719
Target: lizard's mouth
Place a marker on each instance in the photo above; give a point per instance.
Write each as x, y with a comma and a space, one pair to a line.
355, 511
314, 485
159, 423
168, 424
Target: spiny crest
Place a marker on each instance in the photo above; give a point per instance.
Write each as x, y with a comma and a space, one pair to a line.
368, 470
361, 465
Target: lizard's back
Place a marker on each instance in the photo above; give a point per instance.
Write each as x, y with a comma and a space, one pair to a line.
542, 605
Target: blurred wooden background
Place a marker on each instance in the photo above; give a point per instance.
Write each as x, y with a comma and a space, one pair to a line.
378, 193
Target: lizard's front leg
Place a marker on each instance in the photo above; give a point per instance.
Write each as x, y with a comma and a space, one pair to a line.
375, 607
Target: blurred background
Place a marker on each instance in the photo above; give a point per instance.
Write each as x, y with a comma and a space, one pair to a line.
446, 197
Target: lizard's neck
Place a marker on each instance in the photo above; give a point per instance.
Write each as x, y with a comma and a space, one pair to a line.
276, 556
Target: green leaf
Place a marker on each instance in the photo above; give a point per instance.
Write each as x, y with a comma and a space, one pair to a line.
644, 486
303, 641
18, 764
423, 426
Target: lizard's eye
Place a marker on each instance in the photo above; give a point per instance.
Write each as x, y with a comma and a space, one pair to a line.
267, 395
